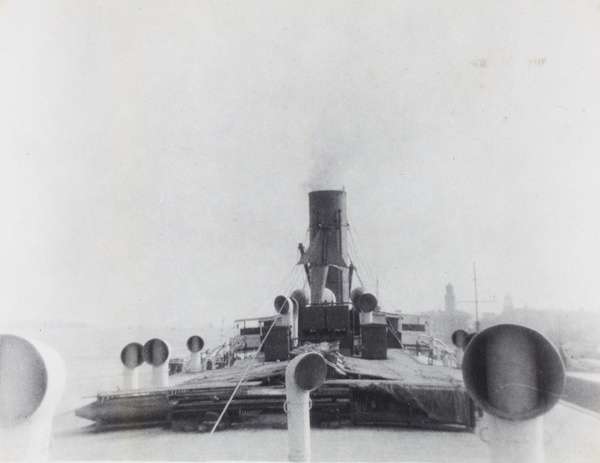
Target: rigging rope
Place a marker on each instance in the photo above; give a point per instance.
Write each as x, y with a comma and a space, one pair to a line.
357, 249
243, 376
285, 286
394, 332
281, 284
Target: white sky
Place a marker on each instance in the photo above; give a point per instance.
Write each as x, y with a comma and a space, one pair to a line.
156, 156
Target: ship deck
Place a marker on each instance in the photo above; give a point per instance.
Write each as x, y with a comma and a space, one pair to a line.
399, 366
398, 390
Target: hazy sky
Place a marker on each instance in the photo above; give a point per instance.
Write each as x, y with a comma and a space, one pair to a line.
156, 156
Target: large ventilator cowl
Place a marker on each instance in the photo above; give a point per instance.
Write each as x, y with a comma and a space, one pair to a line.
301, 296
32, 379
513, 372
365, 303
156, 352
309, 371
459, 339
195, 344
31, 375
303, 374
132, 355
24, 379
363, 300
283, 305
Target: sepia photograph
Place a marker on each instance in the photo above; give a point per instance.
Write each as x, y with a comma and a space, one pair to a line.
300, 230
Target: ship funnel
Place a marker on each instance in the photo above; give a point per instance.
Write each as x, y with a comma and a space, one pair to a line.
302, 375
32, 379
516, 375
132, 358
157, 352
327, 257
195, 344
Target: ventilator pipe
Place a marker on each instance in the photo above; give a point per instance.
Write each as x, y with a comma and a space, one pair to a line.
302, 297
302, 375
32, 379
195, 344
328, 296
295, 311
355, 295
366, 303
516, 441
459, 338
157, 352
285, 308
365, 318
132, 358
516, 375
459, 355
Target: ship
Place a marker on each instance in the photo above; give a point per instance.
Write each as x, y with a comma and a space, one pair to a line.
382, 367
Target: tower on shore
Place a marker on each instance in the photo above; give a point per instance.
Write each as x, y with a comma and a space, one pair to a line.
450, 298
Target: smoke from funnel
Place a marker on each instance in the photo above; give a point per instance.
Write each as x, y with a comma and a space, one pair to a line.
327, 171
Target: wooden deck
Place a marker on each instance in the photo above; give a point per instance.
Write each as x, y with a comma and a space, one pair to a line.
399, 366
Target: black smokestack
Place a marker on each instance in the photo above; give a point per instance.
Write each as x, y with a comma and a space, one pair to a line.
327, 255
